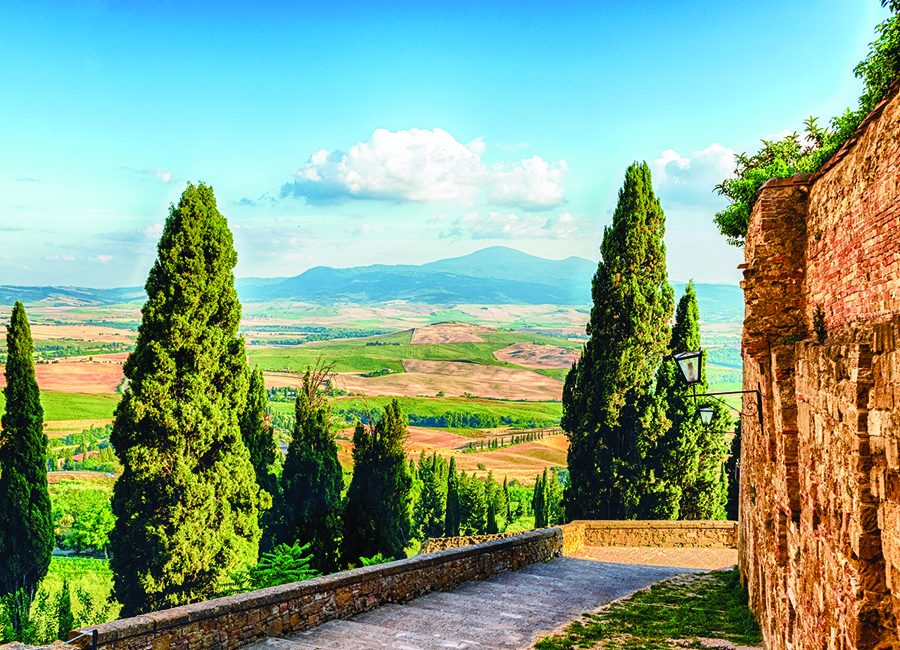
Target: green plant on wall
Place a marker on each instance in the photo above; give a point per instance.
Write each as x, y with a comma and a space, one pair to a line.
819, 324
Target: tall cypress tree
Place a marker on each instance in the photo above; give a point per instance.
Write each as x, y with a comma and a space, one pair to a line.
187, 502
672, 456
378, 514
26, 529
606, 392
432, 503
258, 434
451, 519
308, 509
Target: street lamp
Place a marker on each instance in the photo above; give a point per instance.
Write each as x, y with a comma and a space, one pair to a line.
689, 364
706, 415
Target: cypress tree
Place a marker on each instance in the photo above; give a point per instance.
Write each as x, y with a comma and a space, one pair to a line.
26, 529
257, 434
451, 519
672, 456
308, 508
65, 619
732, 475
539, 502
187, 502
605, 392
378, 515
432, 503
472, 505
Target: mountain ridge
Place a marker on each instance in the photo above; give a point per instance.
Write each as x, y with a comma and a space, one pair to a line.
494, 275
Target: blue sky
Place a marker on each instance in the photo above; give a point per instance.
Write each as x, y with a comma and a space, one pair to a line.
343, 133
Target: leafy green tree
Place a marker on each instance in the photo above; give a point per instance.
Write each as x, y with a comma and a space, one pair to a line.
258, 434
308, 509
790, 155
451, 518
187, 502
378, 514
605, 392
26, 531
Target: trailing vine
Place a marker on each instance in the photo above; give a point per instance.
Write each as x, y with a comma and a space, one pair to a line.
795, 155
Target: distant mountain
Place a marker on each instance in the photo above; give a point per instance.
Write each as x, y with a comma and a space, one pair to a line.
70, 295
496, 275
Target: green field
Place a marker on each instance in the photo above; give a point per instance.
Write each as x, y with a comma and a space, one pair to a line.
356, 356
74, 406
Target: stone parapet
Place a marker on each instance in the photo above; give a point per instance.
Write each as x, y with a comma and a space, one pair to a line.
435, 544
235, 621
663, 534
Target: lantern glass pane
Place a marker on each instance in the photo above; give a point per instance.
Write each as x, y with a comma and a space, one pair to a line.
706, 414
689, 363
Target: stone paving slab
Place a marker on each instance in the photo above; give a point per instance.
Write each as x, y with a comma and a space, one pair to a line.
507, 611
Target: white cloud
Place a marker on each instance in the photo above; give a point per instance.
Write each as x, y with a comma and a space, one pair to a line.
63, 257
495, 225
362, 230
532, 184
103, 259
426, 166
162, 175
692, 180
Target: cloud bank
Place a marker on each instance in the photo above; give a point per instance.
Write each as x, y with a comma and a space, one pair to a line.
495, 225
425, 166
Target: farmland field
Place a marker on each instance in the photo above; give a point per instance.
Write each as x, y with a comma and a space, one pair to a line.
75, 406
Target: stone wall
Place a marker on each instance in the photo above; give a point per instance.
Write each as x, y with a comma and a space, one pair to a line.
666, 534
435, 544
235, 621
819, 534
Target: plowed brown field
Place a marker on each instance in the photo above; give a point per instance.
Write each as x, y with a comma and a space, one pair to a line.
536, 356
456, 378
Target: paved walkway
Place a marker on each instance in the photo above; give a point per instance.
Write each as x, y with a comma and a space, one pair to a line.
510, 610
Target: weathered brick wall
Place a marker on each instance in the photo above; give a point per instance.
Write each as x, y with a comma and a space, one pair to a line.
666, 534
235, 621
819, 532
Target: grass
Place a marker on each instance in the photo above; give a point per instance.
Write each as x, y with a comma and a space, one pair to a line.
685, 608
74, 406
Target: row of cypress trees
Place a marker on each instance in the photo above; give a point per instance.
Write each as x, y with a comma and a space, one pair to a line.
636, 446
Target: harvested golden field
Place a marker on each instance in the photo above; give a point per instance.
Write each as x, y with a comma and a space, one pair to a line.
92, 333
455, 378
448, 333
530, 355
77, 377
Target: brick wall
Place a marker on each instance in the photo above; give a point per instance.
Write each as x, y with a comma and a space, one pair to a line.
819, 532
235, 621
